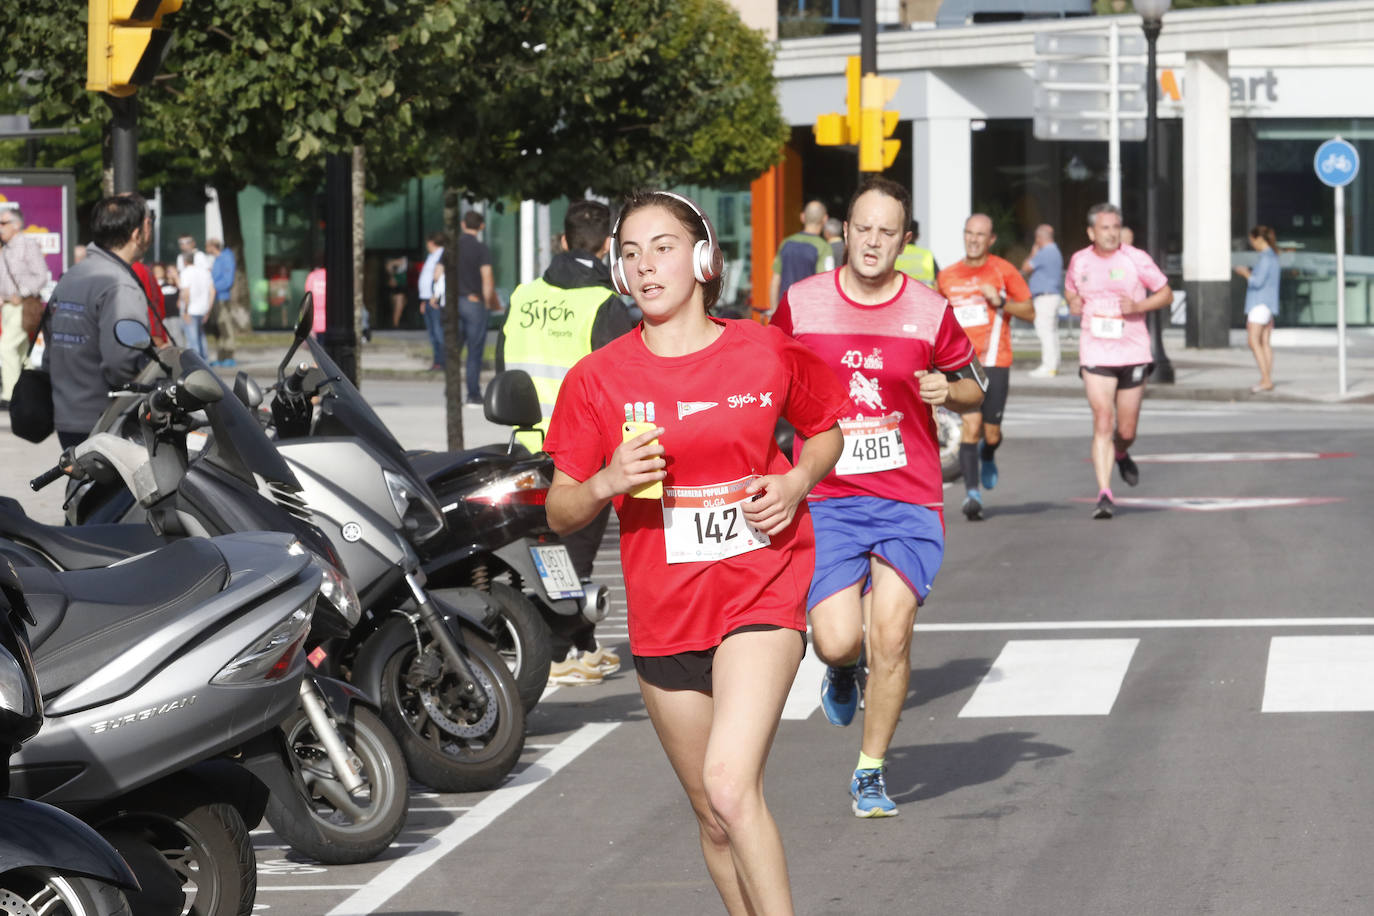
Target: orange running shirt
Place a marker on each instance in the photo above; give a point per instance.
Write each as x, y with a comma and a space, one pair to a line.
989, 328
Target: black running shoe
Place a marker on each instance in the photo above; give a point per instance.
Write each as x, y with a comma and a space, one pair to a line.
1104, 507
973, 506
1129, 472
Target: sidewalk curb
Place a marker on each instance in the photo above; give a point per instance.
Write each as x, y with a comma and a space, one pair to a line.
1175, 393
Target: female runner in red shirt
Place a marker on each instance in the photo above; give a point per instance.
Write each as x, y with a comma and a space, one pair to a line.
716, 567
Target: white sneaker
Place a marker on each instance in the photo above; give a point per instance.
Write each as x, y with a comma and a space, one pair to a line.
1043, 372
602, 659
573, 672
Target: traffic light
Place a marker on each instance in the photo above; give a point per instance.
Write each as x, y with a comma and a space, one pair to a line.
876, 152
842, 129
125, 43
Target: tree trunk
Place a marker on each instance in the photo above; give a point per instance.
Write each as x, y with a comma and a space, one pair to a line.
453, 341
240, 302
359, 241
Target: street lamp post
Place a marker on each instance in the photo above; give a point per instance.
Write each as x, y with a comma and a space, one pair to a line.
1152, 20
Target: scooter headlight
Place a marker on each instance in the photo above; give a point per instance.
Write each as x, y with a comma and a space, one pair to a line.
529, 488
338, 591
272, 655
420, 517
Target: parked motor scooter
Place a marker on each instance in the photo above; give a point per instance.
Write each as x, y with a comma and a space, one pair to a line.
50, 862
493, 503
448, 699
348, 771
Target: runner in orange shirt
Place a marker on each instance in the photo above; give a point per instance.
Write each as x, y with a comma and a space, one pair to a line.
985, 291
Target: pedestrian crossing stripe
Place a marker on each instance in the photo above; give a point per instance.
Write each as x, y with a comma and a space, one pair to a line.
1216, 504
1084, 677
1220, 457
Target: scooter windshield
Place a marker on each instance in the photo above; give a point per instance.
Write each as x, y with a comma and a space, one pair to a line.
344, 412
237, 443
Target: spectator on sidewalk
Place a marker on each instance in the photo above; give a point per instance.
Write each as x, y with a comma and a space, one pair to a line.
23, 273
431, 314
1044, 268
834, 234
801, 254
83, 359
1262, 303
197, 298
223, 268
476, 296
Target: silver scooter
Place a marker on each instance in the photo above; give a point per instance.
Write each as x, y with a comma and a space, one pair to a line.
50, 862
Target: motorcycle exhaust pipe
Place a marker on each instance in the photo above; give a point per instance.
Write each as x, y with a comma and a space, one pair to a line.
346, 764
596, 601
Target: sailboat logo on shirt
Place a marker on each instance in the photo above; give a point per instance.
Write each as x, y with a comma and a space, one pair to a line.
687, 408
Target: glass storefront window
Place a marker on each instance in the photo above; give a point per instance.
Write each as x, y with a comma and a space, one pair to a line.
1275, 185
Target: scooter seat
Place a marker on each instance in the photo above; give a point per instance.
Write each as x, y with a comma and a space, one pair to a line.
87, 617
442, 467
80, 546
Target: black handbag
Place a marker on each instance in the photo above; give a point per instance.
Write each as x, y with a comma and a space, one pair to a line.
31, 413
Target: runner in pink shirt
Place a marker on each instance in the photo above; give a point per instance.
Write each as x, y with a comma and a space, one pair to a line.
1109, 284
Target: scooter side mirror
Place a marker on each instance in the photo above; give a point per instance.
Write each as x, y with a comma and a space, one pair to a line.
304, 324
202, 385
247, 391
133, 334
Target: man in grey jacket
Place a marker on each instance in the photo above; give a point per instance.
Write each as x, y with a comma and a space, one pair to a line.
82, 358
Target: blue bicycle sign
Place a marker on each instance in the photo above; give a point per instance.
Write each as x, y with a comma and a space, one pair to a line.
1337, 162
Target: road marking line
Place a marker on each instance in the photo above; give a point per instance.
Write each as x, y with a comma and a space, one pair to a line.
414, 808
312, 887
1198, 624
1215, 503
1319, 674
1052, 677
805, 694
1216, 457
405, 870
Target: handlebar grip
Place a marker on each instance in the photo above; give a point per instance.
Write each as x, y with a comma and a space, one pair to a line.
297, 378
47, 477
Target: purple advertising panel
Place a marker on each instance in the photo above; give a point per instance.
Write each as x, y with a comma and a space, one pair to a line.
47, 199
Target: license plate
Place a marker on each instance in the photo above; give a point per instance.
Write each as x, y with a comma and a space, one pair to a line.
556, 571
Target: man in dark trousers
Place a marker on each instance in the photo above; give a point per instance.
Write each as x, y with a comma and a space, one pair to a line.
552, 323
476, 288
82, 357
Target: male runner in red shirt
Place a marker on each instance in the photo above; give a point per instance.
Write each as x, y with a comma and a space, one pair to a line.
879, 529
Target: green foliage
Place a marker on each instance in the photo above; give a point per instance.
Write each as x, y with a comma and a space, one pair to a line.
524, 98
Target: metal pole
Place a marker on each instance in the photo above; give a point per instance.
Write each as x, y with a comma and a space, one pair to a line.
1164, 369
124, 142
1113, 116
1340, 288
868, 38
340, 340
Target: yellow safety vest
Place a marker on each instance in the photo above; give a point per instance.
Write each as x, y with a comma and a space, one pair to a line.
548, 329
918, 264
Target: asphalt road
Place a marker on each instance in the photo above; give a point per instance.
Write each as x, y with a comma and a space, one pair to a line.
1164, 713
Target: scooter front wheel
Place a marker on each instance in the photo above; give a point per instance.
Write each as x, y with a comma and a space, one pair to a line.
451, 743
524, 641
35, 891
347, 828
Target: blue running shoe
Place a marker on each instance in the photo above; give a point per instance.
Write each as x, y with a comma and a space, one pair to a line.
869, 791
973, 506
989, 474
839, 699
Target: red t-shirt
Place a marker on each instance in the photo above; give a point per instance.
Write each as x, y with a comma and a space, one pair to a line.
875, 350
157, 308
988, 328
718, 408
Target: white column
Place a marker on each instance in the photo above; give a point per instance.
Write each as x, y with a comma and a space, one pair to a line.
1207, 197
942, 184
527, 243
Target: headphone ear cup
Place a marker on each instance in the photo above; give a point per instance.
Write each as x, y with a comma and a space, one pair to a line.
618, 277
706, 261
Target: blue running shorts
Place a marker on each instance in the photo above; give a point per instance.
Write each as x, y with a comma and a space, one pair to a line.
851, 529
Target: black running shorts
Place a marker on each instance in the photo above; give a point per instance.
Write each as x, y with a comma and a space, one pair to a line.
1126, 376
691, 670
995, 398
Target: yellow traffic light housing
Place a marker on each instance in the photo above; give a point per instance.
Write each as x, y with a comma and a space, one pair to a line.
125, 43
876, 152
843, 129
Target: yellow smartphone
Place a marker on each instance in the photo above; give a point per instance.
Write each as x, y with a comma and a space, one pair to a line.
629, 430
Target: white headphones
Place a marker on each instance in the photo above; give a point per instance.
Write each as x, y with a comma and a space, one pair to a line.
707, 259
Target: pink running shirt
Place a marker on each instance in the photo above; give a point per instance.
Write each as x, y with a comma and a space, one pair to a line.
874, 351
1101, 281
